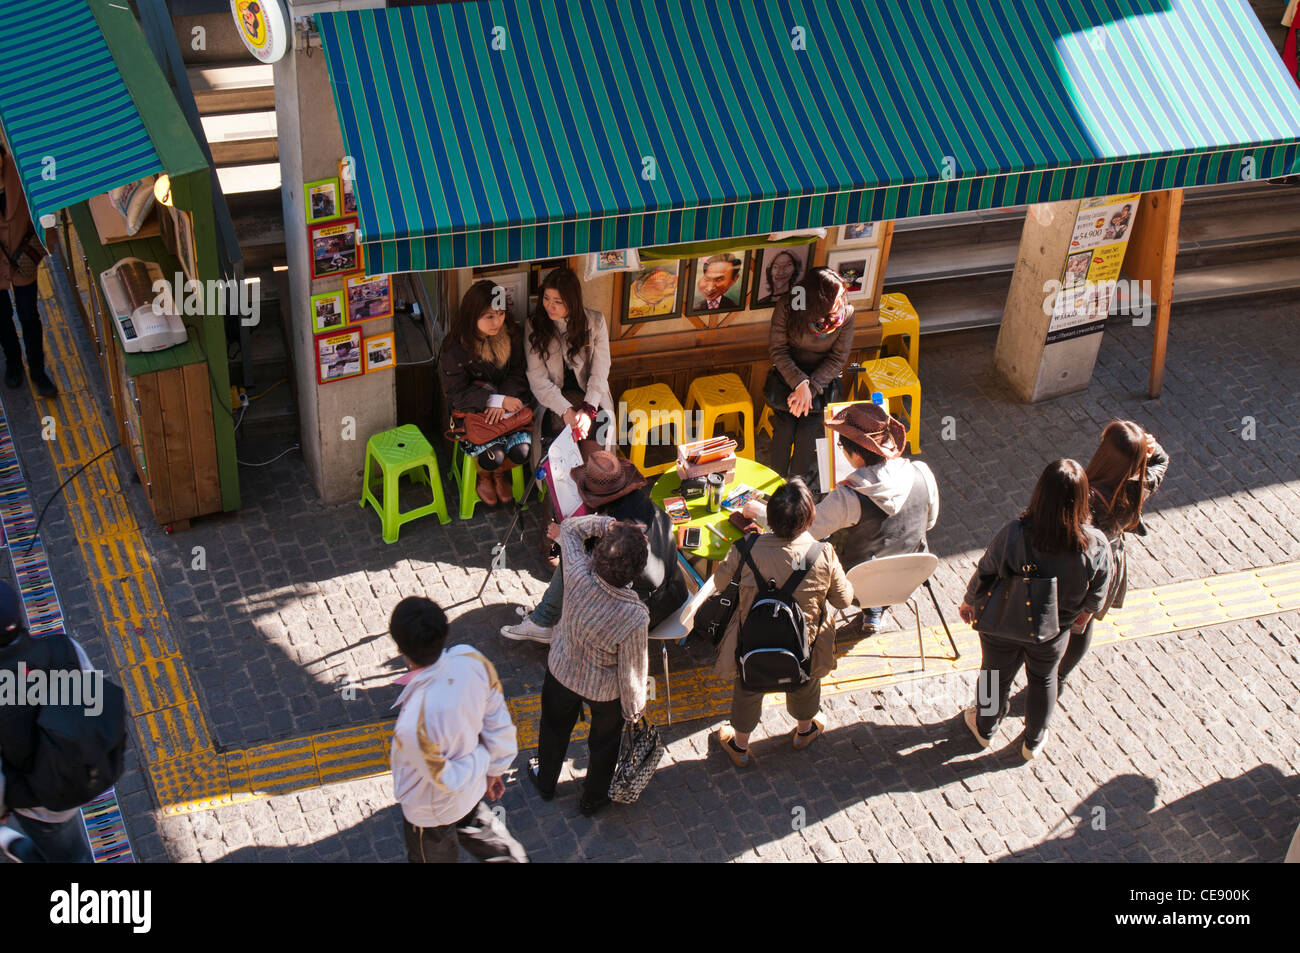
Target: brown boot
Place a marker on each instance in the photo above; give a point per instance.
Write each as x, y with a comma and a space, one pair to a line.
505, 486
486, 487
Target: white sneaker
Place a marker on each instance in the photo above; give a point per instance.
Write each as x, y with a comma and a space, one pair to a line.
9, 837
528, 630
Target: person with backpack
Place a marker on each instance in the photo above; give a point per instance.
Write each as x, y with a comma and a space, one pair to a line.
54, 756
781, 638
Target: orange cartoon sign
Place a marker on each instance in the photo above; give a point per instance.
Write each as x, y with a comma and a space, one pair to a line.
263, 26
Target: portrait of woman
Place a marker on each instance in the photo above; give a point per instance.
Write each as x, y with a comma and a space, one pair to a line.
777, 271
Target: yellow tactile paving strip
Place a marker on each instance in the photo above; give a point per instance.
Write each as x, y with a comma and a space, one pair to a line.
189, 774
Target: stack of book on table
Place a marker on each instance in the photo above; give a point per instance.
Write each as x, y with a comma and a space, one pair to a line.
702, 457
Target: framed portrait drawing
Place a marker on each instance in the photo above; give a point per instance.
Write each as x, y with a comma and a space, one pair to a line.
776, 271
515, 287
338, 355
652, 292
860, 235
538, 271
379, 352
717, 283
609, 262
323, 200
370, 298
335, 249
857, 266
347, 189
327, 312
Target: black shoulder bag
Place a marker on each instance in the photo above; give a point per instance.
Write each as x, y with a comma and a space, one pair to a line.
712, 618
1022, 607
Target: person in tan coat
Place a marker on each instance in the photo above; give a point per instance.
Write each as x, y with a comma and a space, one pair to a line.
776, 555
20, 258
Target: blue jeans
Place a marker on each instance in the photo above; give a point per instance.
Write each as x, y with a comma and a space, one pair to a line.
52, 843
547, 613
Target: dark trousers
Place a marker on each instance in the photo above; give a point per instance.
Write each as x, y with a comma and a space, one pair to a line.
1075, 651
480, 832
560, 710
794, 443
999, 666
50, 843
30, 317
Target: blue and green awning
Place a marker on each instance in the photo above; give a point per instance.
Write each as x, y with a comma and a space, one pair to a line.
508, 130
71, 124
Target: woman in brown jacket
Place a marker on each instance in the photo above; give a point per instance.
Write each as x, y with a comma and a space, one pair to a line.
809, 346
776, 555
20, 258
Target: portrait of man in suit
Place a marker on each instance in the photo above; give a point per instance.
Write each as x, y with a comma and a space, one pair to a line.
719, 284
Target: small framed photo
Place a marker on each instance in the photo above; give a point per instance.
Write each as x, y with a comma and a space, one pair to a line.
327, 312
515, 285
323, 200
379, 352
717, 283
776, 271
861, 234
609, 262
370, 298
652, 292
335, 248
538, 271
858, 269
348, 189
338, 355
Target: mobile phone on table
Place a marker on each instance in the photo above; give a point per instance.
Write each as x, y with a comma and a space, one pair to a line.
676, 509
691, 537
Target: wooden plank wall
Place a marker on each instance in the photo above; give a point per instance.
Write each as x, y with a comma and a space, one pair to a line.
176, 426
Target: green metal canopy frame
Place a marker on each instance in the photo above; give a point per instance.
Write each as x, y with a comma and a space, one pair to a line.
508, 130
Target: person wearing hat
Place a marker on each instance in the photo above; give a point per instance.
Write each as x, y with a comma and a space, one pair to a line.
612, 486
886, 505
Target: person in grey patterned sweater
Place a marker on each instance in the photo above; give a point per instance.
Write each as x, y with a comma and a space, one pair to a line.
599, 656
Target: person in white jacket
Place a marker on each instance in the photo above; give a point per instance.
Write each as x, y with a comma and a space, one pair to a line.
453, 741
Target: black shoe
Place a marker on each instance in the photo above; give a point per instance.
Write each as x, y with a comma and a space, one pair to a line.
591, 808
531, 771
44, 386
14, 375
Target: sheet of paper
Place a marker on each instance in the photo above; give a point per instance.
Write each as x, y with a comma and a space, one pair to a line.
832, 472
561, 459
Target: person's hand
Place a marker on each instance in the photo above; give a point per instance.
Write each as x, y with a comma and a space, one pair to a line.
553, 532
495, 788
967, 613
583, 424
752, 509
571, 417
1150, 442
800, 401
512, 405
494, 415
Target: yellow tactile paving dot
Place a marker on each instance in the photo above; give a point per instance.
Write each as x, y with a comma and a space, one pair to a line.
191, 783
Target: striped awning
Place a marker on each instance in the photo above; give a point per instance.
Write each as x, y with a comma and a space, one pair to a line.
509, 130
71, 124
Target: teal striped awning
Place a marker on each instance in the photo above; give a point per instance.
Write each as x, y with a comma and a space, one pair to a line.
72, 127
510, 130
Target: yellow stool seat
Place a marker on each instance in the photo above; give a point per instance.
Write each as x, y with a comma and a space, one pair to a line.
397, 452
717, 396
653, 407
898, 320
765, 420
894, 378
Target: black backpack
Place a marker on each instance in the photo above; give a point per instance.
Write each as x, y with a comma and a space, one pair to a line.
773, 652
77, 756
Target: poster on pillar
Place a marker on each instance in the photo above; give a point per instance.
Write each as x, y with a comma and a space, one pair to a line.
1085, 294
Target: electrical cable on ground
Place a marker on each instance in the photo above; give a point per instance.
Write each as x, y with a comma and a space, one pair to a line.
245, 463
56, 493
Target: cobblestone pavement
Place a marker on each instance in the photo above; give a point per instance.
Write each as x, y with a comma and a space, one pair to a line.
1188, 743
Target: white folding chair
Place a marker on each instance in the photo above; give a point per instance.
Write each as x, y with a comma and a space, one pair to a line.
677, 626
893, 580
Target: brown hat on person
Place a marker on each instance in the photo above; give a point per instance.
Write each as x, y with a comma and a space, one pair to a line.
604, 478
870, 427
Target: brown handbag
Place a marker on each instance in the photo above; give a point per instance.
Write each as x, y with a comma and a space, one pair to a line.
472, 426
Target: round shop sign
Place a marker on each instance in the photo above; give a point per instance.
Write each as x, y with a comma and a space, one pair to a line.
263, 26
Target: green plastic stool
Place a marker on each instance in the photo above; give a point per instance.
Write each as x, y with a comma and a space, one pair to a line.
402, 450
465, 469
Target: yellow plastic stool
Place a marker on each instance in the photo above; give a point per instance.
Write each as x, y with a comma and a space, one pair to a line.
397, 452
895, 379
898, 320
465, 469
718, 395
765, 420
659, 409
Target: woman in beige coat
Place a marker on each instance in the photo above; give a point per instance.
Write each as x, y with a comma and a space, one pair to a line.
20, 258
776, 554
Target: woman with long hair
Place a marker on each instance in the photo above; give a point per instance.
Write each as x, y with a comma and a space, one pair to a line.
1127, 467
782, 273
1054, 534
483, 371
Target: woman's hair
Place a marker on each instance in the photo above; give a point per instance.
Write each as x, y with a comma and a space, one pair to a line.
790, 511
621, 554
465, 326
794, 279
1121, 457
419, 628
870, 456
1058, 511
564, 280
821, 287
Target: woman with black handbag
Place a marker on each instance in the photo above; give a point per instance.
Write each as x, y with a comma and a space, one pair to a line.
1043, 572
809, 343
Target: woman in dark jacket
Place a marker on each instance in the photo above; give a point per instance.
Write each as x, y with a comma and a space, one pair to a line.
484, 370
809, 347
1126, 469
1054, 535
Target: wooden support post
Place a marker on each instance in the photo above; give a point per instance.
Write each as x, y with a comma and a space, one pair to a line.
1152, 252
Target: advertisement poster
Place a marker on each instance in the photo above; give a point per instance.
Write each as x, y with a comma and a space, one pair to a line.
1097, 247
339, 355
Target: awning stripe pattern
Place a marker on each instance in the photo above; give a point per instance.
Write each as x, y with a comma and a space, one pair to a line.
71, 124
507, 130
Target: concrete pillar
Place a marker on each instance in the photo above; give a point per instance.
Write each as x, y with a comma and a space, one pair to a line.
311, 146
